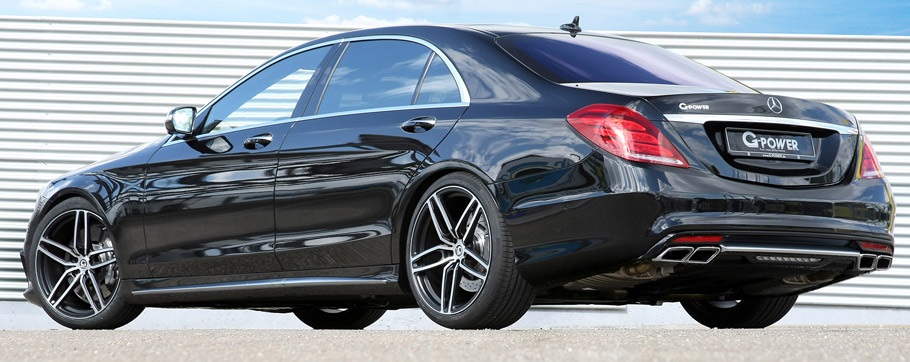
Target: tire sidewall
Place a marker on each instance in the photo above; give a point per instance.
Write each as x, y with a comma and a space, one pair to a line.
115, 305
477, 310
748, 313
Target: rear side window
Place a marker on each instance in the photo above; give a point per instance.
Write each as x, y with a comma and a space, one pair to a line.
375, 74
563, 59
438, 85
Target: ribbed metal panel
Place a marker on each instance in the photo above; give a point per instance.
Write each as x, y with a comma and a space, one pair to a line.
75, 90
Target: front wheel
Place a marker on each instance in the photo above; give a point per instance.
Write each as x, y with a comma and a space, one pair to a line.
351, 318
73, 268
746, 313
460, 260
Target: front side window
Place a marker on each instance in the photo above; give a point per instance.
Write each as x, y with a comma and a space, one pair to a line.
272, 94
375, 74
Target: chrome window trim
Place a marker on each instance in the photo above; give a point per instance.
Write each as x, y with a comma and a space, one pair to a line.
704, 118
265, 284
174, 140
462, 88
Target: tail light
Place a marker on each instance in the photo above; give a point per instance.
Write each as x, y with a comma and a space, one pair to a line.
625, 133
869, 168
699, 239
875, 247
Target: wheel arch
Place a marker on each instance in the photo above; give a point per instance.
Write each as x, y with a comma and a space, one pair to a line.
57, 197
407, 205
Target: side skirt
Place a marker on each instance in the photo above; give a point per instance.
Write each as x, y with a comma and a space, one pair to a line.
289, 289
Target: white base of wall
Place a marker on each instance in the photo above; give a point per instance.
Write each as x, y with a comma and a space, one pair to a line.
25, 316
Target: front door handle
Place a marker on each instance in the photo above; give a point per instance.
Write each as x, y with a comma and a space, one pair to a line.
419, 124
258, 141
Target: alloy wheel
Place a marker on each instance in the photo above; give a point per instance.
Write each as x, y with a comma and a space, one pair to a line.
450, 252
75, 264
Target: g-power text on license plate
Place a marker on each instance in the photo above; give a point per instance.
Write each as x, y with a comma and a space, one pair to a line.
770, 144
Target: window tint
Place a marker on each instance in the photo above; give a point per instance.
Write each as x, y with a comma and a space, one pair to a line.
439, 85
269, 95
563, 59
374, 74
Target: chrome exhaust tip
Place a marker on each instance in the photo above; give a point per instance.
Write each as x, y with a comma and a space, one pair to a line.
866, 262
676, 254
883, 262
703, 255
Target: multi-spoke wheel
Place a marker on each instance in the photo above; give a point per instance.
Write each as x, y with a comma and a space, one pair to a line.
73, 268
350, 318
460, 260
747, 313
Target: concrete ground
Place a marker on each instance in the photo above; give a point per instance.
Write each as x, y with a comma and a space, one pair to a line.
25, 316
789, 343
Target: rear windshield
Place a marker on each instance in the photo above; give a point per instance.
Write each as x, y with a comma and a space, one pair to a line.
563, 59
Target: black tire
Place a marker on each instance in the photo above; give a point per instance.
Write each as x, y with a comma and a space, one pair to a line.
105, 308
351, 318
486, 290
747, 313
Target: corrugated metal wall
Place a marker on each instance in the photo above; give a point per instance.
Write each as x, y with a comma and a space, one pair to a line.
75, 90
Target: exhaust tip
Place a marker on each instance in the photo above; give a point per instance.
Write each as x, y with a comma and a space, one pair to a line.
704, 255
866, 262
676, 254
883, 262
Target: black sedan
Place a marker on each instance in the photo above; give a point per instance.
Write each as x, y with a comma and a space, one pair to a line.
472, 171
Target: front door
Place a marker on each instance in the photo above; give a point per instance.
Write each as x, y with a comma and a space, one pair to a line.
210, 197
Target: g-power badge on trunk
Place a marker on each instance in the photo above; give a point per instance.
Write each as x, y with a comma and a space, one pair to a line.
770, 144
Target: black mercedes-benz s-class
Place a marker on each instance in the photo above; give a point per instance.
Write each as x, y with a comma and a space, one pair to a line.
471, 171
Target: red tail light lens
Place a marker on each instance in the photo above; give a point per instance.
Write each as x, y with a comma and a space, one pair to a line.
699, 239
870, 168
874, 247
625, 133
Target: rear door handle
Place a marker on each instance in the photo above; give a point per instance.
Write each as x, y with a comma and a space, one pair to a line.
419, 124
258, 141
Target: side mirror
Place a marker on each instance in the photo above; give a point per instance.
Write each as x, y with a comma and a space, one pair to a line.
180, 120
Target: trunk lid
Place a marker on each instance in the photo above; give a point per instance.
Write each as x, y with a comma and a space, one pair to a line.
758, 138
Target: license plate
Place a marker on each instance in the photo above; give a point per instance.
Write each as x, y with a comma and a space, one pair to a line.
770, 144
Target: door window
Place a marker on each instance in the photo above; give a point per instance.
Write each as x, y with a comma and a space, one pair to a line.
438, 85
272, 94
375, 74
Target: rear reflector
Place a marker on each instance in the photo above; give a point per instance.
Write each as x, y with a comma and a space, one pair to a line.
699, 239
625, 133
869, 168
874, 247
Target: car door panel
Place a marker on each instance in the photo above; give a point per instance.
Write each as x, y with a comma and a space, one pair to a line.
337, 185
209, 209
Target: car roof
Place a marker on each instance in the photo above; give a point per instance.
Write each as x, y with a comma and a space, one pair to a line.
492, 30
510, 29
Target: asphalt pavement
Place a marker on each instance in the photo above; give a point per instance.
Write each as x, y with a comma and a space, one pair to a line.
787, 343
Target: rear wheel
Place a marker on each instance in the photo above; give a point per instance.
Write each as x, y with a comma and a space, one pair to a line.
460, 260
73, 268
351, 318
746, 313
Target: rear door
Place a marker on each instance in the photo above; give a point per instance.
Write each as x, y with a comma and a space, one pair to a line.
210, 197
385, 107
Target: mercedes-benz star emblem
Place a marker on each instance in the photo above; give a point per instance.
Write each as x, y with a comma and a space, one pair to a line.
774, 105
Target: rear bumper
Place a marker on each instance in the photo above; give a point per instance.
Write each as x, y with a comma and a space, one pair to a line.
601, 214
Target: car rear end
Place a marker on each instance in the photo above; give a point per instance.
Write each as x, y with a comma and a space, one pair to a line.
742, 193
